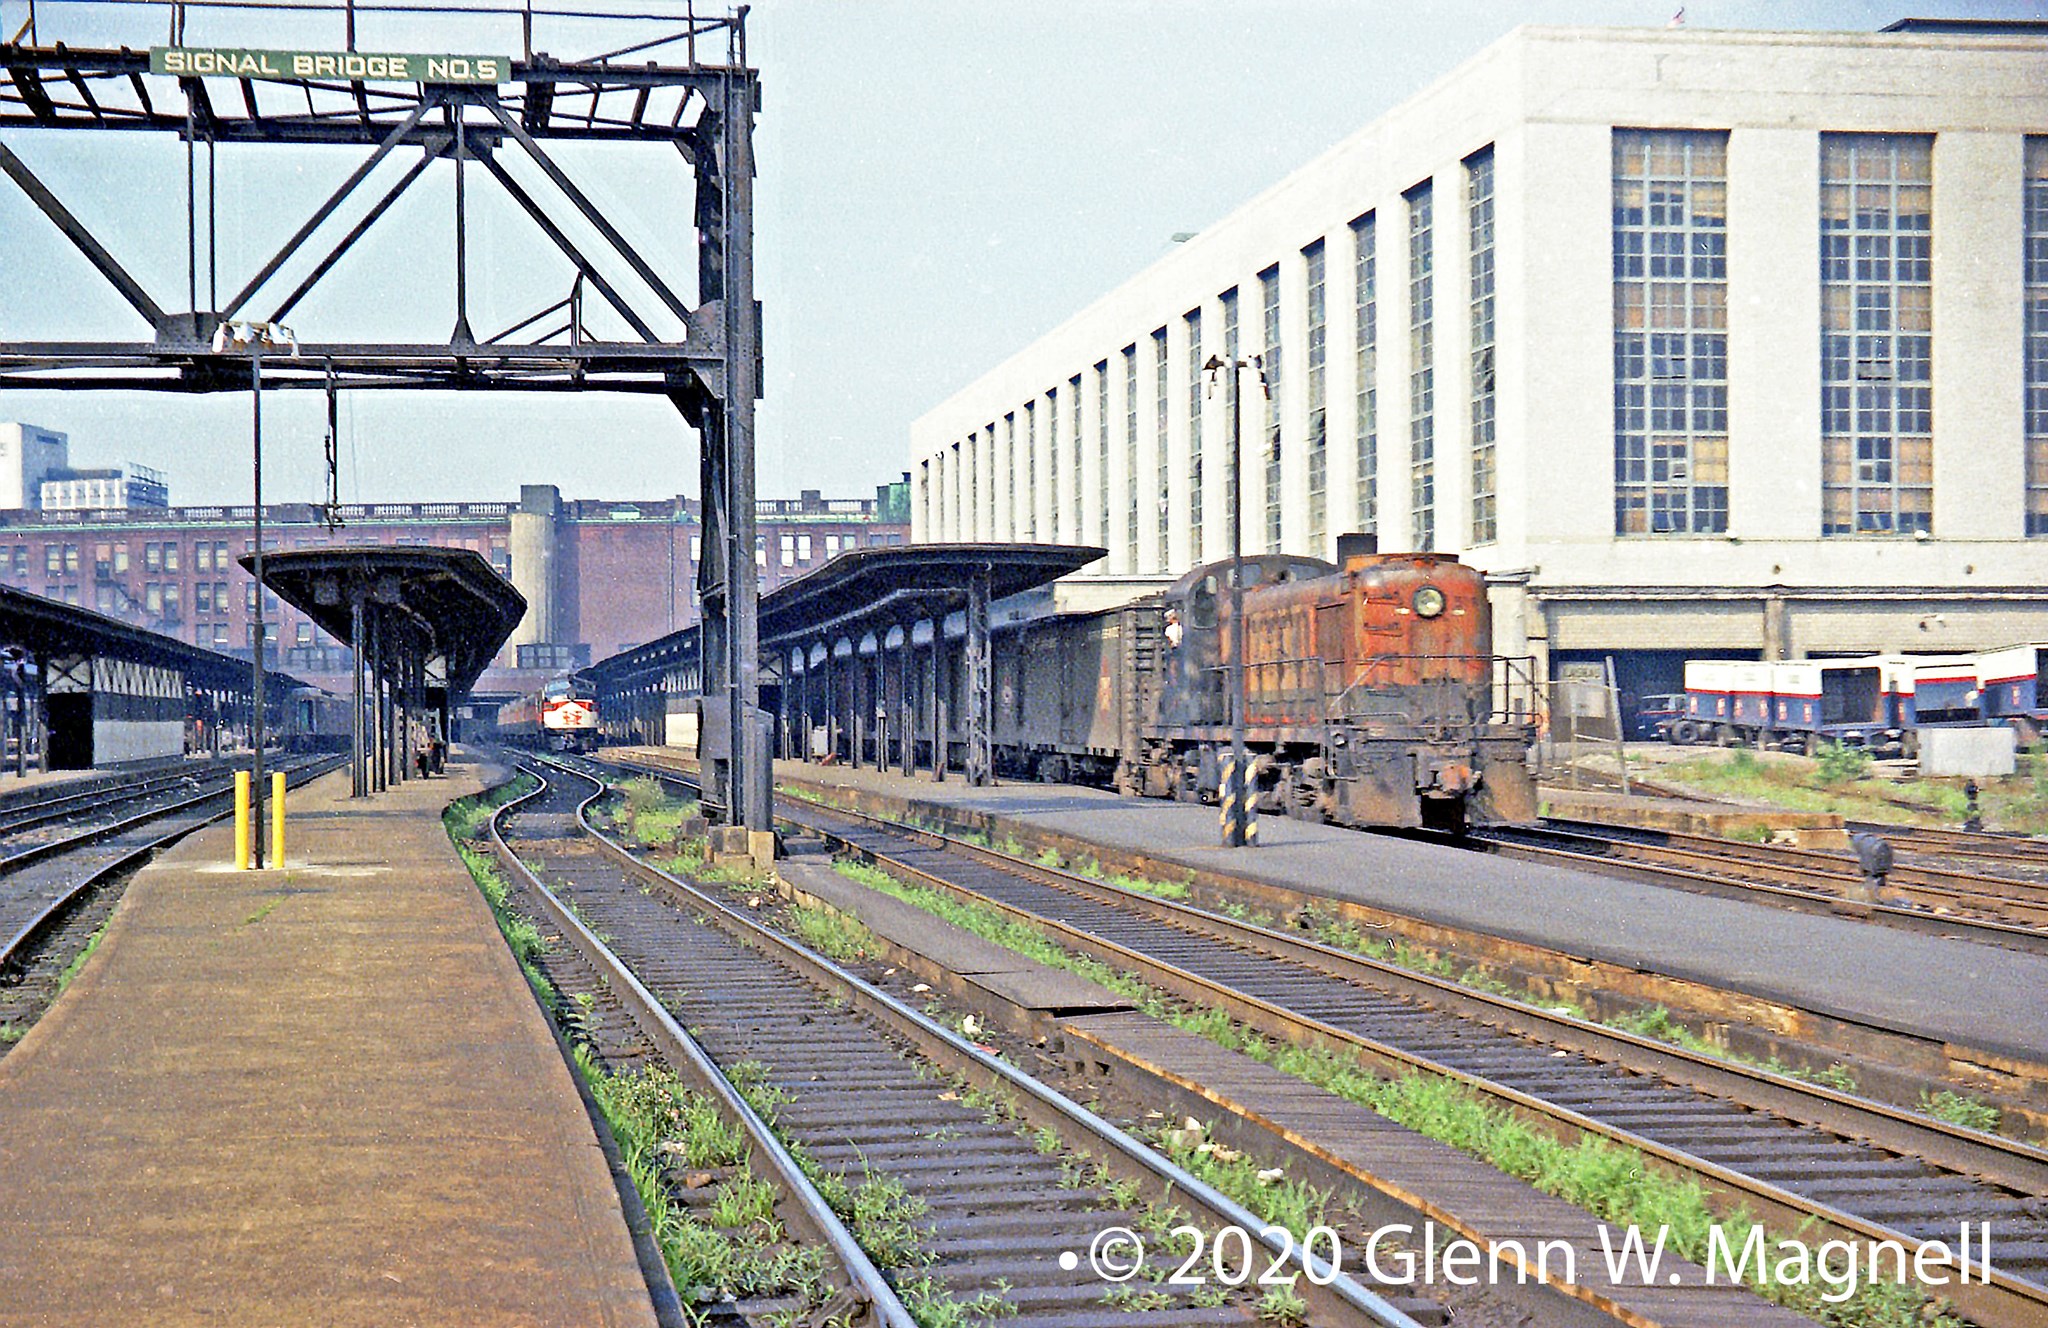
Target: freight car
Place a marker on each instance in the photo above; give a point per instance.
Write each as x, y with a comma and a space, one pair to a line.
560, 717
1373, 697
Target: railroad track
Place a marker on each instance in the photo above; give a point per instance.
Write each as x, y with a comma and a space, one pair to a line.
860, 1083
1994, 910
1998, 850
61, 802
54, 894
1799, 1156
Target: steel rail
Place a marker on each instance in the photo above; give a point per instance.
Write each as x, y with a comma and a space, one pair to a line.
1640, 860
29, 814
813, 1213
928, 1033
2001, 845
1811, 864
58, 903
2003, 1299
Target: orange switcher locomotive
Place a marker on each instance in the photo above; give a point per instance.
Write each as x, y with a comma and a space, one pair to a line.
1373, 696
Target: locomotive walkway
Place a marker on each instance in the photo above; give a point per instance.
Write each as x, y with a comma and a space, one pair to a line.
322, 1094
1961, 993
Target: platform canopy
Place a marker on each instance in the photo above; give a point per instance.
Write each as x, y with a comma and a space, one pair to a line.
882, 587
49, 628
465, 609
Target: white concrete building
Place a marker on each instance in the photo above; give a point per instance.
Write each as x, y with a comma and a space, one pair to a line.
1697, 341
107, 488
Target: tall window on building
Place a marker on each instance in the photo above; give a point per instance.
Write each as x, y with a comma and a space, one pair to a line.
1020, 493
1074, 432
963, 509
1670, 333
1102, 428
1876, 294
1269, 301
1479, 217
1193, 322
1366, 349
987, 467
1131, 452
1318, 399
1052, 460
1421, 370
1029, 530
2036, 307
1235, 488
1160, 392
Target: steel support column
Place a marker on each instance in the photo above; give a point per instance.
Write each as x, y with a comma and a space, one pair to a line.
906, 706
979, 698
355, 740
938, 699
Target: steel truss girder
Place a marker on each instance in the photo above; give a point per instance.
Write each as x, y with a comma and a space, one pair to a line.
712, 374
549, 94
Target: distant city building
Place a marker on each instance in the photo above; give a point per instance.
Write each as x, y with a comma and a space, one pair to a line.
29, 454
105, 489
36, 474
599, 576
1698, 342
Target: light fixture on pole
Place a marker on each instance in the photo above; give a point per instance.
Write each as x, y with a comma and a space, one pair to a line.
255, 338
1240, 821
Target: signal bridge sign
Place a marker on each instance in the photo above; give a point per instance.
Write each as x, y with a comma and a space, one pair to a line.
346, 66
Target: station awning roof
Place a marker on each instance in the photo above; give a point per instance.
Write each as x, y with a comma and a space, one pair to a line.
865, 589
467, 608
48, 627
870, 588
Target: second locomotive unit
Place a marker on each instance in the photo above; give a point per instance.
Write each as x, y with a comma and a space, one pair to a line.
1373, 697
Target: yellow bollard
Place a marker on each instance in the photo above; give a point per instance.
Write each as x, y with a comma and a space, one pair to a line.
241, 820
277, 818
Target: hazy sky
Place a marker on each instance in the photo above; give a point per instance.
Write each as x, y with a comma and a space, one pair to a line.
940, 183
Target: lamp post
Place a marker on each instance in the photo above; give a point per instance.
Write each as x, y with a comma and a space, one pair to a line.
1240, 823
255, 338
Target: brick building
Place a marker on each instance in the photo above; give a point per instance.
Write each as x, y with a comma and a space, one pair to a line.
599, 576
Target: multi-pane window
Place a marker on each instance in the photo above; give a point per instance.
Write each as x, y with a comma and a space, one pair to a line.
2036, 312
1479, 217
1317, 345
984, 464
1019, 494
1670, 332
963, 508
1421, 370
1235, 487
1052, 460
1877, 334
1193, 320
1102, 427
1131, 452
1074, 432
1269, 300
1164, 468
1030, 527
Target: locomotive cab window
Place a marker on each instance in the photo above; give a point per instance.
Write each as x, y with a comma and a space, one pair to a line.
1202, 603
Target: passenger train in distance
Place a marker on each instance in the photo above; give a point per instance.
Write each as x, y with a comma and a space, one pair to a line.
560, 717
317, 721
1373, 697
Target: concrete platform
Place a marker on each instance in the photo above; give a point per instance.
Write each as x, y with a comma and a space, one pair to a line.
321, 1094
1003, 974
1959, 992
